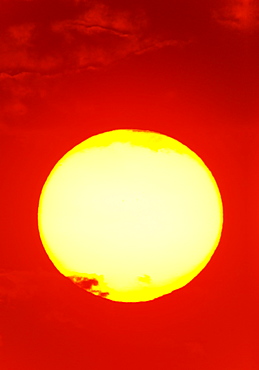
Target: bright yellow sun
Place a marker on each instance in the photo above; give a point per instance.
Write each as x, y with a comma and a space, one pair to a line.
130, 215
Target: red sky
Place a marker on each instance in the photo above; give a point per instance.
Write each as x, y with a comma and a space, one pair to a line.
74, 68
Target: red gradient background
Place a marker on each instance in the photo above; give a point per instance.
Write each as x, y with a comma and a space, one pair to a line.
71, 69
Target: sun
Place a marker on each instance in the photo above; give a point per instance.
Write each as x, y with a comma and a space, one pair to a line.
130, 215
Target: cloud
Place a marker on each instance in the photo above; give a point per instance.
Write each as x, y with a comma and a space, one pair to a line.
47, 291
241, 15
54, 298
42, 41
154, 45
81, 35
17, 285
18, 93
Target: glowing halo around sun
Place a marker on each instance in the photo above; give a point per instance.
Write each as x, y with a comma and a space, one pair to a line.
130, 215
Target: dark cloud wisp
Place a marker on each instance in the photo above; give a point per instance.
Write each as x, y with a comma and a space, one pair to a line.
86, 37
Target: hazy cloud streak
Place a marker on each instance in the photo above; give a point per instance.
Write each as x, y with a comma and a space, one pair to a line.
241, 15
85, 37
